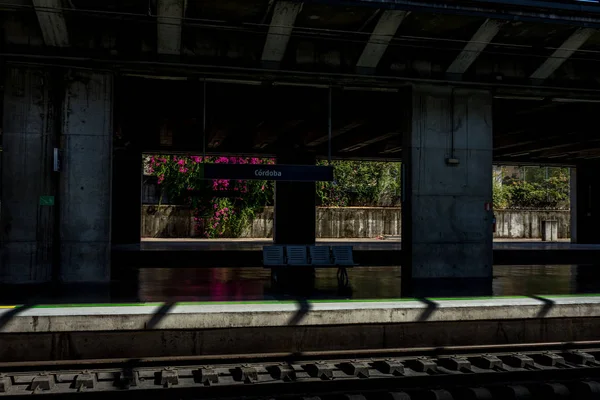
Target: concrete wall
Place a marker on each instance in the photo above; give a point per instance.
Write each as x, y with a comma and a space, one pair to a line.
447, 231
526, 224
86, 178
27, 234
67, 238
351, 222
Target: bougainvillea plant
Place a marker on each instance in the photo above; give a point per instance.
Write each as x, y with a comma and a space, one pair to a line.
222, 207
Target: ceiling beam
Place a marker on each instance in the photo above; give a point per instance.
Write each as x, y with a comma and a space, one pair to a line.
335, 133
384, 31
571, 149
560, 55
280, 30
217, 137
479, 41
52, 22
267, 133
543, 145
368, 142
170, 14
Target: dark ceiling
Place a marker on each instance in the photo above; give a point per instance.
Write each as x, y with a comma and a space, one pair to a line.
225, 39
167, 116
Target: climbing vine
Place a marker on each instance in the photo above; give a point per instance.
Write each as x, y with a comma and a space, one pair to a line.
222, 207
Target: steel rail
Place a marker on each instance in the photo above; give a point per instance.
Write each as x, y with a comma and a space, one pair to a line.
283, 374
323, 355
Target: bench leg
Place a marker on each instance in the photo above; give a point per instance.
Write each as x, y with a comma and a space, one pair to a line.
342, 277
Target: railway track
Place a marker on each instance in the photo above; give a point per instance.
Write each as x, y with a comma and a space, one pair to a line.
544, 371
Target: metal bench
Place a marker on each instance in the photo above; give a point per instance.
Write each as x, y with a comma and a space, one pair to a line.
320, 256
273, 256
278, 257
343, 256
317, 256
297, 256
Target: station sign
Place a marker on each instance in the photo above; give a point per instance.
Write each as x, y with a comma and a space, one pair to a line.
290, 173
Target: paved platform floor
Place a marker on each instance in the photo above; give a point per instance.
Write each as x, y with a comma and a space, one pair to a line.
254, 284
119, 317
171, 329
151, 244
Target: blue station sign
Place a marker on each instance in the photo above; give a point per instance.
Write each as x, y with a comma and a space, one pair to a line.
298, 173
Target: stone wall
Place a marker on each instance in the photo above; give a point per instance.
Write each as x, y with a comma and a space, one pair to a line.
526, 224
350, 222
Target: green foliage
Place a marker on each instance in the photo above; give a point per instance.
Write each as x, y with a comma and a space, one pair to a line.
225, 208
541, 189
222, 207
361, 184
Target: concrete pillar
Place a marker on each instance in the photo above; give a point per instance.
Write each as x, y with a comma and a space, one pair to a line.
586, 203
27, 227
295, 206
85, 190
447, 161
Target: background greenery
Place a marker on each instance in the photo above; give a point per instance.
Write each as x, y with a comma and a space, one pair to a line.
531, 188
224, 208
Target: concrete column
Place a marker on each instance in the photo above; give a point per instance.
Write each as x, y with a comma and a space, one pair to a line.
586, 203
27, 226
295, 206
85, 190
447, 161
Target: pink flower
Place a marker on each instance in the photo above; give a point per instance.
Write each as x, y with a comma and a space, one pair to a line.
181, 162
183, 170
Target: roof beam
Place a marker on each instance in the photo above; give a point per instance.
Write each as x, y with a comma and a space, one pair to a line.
336, 132
280, 30
572, 148
267, 134
170, 14
52, 22
384, 31
368, 142
217, 137
539, 146
560, 55
479, 41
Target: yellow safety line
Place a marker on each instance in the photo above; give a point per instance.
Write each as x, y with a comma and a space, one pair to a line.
8, 306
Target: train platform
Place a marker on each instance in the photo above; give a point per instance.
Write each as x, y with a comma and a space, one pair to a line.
224, 253
135, 330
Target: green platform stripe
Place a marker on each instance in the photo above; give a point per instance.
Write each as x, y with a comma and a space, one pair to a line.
291, 301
